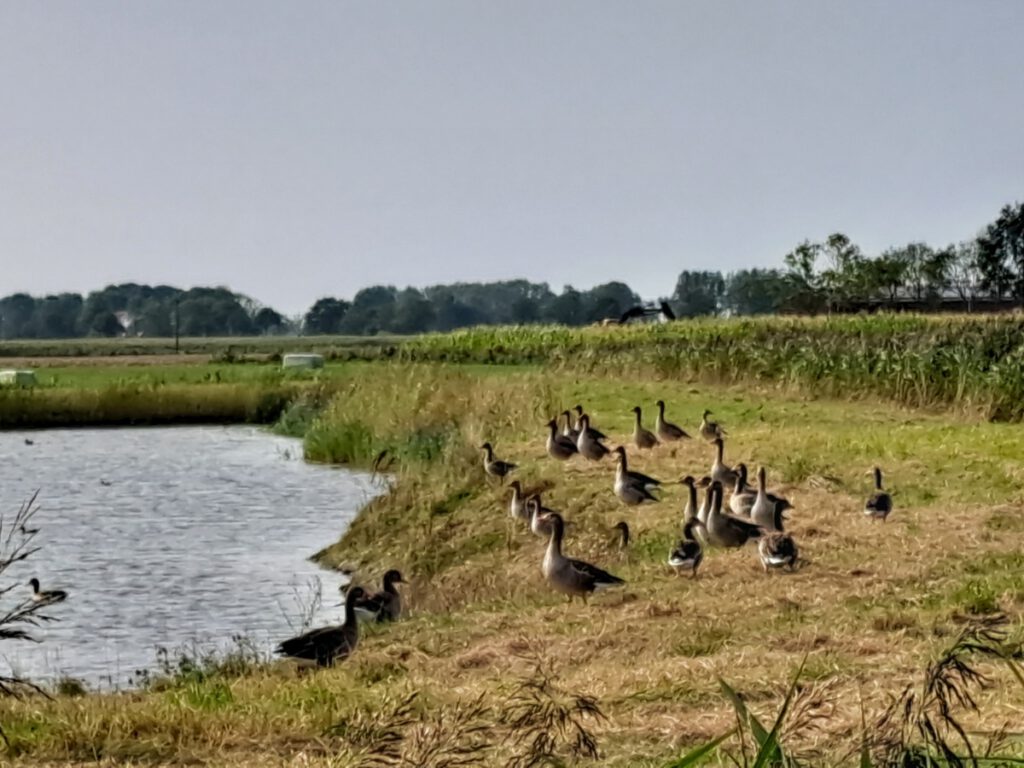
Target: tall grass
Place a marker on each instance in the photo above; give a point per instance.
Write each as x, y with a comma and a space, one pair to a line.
973, 363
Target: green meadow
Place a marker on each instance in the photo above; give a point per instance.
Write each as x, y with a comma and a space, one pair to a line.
493, 668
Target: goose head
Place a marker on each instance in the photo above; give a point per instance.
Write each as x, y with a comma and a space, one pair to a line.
393, 576
34, 583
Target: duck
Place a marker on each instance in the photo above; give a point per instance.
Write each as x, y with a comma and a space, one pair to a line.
559, 446
495, 467
725, 530
642, 438
573, 578
537, 516
879, 504
588, 444
777, 549
667, 432
767, 507
687, 554
596, 433
710, 430
385, 605
46, 596
623, 538
29, 441
569, 430
632, 488
721, 471
326, 645
517, 504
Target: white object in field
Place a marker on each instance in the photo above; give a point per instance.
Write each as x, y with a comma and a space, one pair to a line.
302, 361
23, 378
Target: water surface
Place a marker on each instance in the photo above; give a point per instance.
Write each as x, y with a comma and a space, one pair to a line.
168, 536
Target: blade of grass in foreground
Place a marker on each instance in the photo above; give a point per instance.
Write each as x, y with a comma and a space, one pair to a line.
696, 756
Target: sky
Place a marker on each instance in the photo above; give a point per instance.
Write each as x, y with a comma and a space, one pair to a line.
292, 150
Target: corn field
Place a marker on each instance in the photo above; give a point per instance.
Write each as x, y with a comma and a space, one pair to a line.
967, 363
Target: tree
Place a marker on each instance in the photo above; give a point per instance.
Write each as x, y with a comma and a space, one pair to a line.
325, 316
1001, 253
268, 321
755, 291
413, 313
16, 316
607, 300
567, 308
371, 310
804, 287
844, 280
698, 293
964, 275
886, 275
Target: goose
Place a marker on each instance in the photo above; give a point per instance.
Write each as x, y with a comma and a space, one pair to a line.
687, 553
690, 512
637, 478
385, 605
29, 441
630, 489
327, 644
879, 504
569, 430
537, 516
590, 446
767, 507
667, 431
710, 430
568, 576
595, 433
559, 446
720, 471
743, 496
495, 467
46, 596
777, 549
705, 506
623, 538
517, 504
725, 530
643, 438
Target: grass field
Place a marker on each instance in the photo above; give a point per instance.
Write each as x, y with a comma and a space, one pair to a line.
872, 606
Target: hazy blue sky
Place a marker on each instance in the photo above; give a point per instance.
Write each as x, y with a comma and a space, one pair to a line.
297, 149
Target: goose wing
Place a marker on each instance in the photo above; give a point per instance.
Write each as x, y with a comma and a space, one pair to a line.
638, 478
591, 577
684, 553
879, 503
317, 645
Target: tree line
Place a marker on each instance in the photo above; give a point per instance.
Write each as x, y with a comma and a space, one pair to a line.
832, 275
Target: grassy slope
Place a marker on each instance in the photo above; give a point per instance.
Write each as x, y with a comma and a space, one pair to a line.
873, 605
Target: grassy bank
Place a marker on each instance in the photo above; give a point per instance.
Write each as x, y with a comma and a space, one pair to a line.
872, 606
110, 395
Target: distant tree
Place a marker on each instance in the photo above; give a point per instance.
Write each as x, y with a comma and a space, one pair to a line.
104, 324
698, 293
56, 317
1001, 253
567, 308
887, 275
17, 316
805, 292
371, 311
607, 300
325, 316
413, 313
268, 321
844, 280
450, 313
755, 291
964, 275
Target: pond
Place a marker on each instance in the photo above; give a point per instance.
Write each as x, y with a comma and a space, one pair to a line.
169, 537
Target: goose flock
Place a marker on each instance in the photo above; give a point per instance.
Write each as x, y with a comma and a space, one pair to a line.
754, 514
